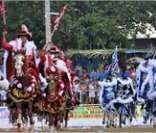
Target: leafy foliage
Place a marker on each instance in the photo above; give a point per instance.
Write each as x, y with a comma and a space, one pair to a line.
86, 24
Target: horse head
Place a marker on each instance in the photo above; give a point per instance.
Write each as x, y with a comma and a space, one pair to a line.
52, 83
19, 63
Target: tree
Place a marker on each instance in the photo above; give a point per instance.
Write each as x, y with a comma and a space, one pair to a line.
86, 24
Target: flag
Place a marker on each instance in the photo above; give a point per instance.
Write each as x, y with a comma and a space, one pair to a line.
56, 19
2, 7
114, 64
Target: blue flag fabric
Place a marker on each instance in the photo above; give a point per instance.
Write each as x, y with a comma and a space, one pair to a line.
115, 65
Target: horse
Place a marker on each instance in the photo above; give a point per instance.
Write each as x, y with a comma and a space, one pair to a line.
53, 100
23, 89
56, 99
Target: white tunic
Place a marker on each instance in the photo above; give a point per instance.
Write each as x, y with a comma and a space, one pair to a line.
29, 46
148, 77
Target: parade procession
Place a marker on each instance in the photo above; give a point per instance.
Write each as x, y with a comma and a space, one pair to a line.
47, 88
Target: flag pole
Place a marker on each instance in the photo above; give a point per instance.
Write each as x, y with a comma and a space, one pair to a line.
4, 16
47, 21
4, 21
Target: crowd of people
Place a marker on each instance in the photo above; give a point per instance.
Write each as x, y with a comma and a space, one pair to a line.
25, 70
122, 91
86, 84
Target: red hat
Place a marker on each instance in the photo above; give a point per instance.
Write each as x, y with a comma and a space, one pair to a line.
54, 50
24, 32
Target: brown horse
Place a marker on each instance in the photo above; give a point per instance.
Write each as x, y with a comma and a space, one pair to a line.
23, 90
56, 101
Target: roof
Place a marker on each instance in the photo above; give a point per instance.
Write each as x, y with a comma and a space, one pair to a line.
133, 51
149, 32
101, 52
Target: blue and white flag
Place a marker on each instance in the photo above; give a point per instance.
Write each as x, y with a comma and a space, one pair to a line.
115, 65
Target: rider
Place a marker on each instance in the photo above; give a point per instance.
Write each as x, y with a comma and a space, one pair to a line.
125, 95
23, 45
144, 77
107, 93
53, 58
125, 88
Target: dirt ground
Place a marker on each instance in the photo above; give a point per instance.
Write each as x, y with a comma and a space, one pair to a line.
90, 130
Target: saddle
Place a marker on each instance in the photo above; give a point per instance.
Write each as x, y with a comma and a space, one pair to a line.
22, 89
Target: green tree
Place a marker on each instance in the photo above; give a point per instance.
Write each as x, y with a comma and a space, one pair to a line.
86, 24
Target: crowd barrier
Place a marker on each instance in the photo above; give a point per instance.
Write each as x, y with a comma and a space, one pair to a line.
95, 111
87, 111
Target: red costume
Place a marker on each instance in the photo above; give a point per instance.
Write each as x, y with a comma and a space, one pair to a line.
20, 45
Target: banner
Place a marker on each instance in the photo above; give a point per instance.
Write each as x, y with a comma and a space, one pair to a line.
95, 111
87, 111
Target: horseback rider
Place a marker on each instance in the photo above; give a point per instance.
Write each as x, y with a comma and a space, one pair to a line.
107, 93
53, 59
126, 91
22, 45
144, 77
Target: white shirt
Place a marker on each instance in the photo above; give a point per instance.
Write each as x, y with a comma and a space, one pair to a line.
91, 90
29, 46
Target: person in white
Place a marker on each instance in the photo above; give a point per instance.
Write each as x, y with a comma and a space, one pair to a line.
107, 94
20, 44
144, 77
91, 92
151, 94
76, 87
129, 93
23, 45
108, 85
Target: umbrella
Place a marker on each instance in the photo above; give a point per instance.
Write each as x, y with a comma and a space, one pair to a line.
135, 60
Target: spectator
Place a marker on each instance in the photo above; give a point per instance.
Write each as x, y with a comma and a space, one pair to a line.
91, 93
77, 88
84, 91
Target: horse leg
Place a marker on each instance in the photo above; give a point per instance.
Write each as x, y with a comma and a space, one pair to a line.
66, 118
108, 120
154, 113
24, 118
113, 119
104, 118
120, 120
51, 122
30, 114
13, 115
56, 120
19, 115
62, 118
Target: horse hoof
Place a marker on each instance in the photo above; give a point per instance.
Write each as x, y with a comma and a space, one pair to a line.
107, 126
103, 122
31, 129
52, 129
18, 125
